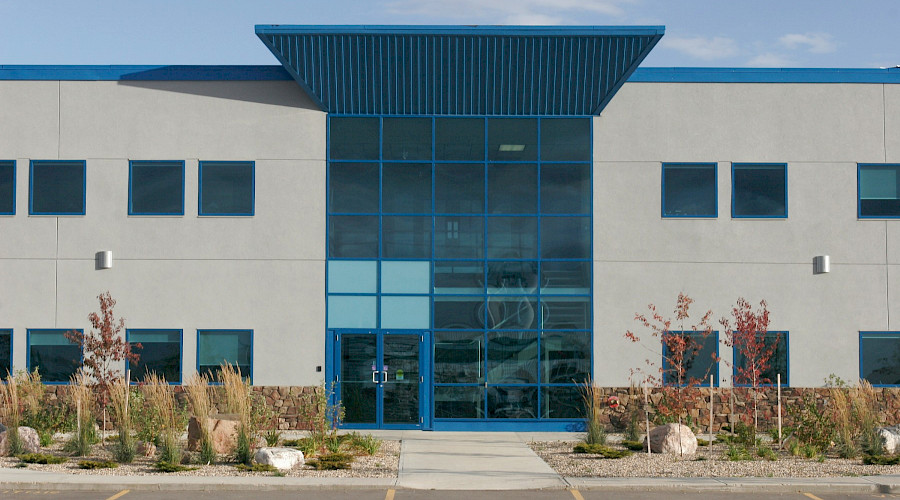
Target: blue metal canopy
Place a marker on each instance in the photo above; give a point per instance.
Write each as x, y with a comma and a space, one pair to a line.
460, 70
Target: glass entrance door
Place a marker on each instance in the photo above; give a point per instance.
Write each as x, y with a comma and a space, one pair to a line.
380, 378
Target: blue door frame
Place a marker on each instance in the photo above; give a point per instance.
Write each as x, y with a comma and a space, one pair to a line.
333, 369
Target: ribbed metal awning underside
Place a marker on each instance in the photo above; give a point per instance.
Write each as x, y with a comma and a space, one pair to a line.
499, 70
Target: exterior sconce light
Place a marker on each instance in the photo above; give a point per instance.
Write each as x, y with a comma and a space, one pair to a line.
821, 264
104, 259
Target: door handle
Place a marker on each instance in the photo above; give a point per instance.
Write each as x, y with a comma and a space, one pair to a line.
384, 376
373, 377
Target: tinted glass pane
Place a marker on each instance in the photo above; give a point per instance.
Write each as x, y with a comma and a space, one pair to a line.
512, 237
777, 364
759, 191
456, 276
879, 190
699, 360
562, 402
565, 237
405, 312
566, 139
406, 139
353, 236
689, 190
512, 139
512, 277
157, 188
880, 358
565, 357
55, 358
406, 237
459, 237
511, 312
405, 277
358, 357
458, 188
512, 188
407, 188
352, 276
5, 352
565, 189
160, 357
461, 313
226, 188
458, 357
566, 277
57, 187
566, 313
353, 138
458, 402
348, 311
512, 402
512, 357
353, 187
7, 187
215, 347
458, 139
401, 379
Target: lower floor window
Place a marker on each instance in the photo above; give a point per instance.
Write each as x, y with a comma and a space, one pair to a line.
5, 352
775, 343
879, 357
53, 355
698, 362
215, 347
159, 353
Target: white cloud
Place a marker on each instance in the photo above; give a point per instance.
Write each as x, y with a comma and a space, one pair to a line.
817, 43
770, 60
510, 11
700, 47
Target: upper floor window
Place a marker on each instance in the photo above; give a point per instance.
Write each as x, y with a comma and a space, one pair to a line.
777, 363
689, 190
160, 353
227, 187
156, 188
7, 187
53, 355
879, 191
879, 357
758, 190
57, 187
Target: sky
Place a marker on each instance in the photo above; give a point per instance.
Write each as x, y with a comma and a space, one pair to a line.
720, 33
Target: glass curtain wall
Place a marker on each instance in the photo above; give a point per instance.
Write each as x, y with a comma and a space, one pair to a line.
478, 229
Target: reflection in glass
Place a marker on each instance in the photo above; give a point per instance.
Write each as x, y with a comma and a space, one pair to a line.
512, 402
879, 190
459, 237
880, 358
353, 236
215, 347
407, 237
406, 138
760, 190
511, 312
358, 356
456, 276
458, 188
565, 188
353, 187
512, 237
565, 357
689, 190
566, 139
512, 139
458, 357
458, 312
778, 363
512, 357
353, 138
565, 313
565, 237
458, 402
160, 353
699, 359
561, 402
512, 277
566, 277
401, 380
50, 352
406, 188
458, 139
512, 188
6, 351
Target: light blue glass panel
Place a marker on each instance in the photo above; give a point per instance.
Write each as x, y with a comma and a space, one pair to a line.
154, 336
351, 312
405, 277
405, 312
352, 276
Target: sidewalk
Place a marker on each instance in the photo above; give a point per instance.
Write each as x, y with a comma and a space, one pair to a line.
451, 461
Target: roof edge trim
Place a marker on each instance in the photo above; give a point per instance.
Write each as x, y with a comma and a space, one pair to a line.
766, 75
144, 72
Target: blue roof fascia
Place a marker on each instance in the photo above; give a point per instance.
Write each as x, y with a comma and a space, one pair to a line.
126, 72
766, 75
486, 30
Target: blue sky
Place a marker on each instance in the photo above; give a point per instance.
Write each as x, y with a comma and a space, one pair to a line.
737, 33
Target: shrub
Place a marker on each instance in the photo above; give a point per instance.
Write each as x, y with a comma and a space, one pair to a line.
48, 420
41, 458
322, 413
737, 452
331, 461
881, 460
364, 443
163, 466
306, 445
119, 396
595, 432
97, 464
766, 453
255, 468
273, 437
809, 450
812, 424
633, 445
599, 449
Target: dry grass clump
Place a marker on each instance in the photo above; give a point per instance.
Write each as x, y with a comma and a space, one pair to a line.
160, 400
119, 396
238, 400
854, 414
11, 413
82, 397
197, 390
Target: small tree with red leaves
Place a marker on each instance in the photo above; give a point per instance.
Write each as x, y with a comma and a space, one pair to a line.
104, 349
677, 349
747, 335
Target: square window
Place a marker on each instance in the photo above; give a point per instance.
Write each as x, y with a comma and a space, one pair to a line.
758, 190
352, 138
689, 190
5, 352
699, 362
459, 139
160, 353
55, 358
353, 188
406, 138
879, 357
879, 191
512, 139
57, 187
215, 347
156, 188
566, 139
7, 187
226, 187
778, 363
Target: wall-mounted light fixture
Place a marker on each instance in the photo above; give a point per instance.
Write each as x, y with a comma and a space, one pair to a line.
821, 264
104, 259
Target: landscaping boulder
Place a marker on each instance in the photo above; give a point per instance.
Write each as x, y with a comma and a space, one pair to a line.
146, 449
674, 439
2, 427
283, 459
891, 437
31, 442
223, 428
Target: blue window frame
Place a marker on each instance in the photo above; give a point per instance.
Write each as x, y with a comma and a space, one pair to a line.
5, 352
879, 358
55, 357
155, 187
689, 190
215, 347
759, 190
160, 353
227, 188
57, 187
7, 187
878, 191
700, 359
778, 364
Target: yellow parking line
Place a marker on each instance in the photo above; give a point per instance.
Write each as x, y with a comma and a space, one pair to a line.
810, 495
389, 496
118, 495
577, 495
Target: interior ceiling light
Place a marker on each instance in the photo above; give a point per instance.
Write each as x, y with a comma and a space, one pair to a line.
512, 147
